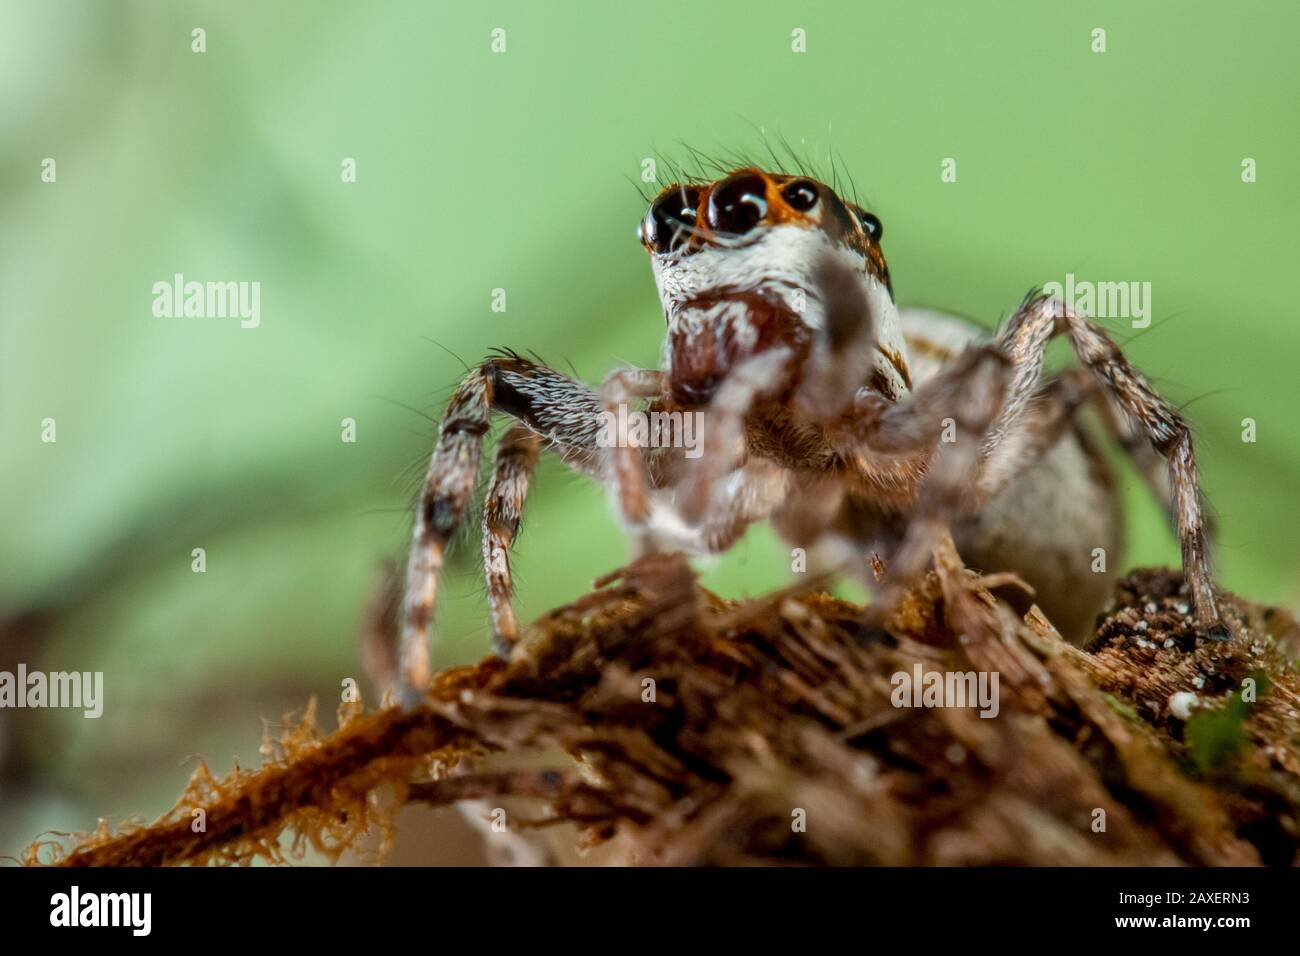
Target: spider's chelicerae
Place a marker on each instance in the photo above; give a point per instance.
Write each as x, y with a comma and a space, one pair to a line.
860, 430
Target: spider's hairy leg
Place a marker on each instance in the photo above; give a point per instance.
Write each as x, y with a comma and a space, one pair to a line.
723, 447
1024, 340
453, 471
1050, 416
1148, 462
630, 484
503, 509
563, 412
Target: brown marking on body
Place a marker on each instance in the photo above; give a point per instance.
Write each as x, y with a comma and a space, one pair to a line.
703, 354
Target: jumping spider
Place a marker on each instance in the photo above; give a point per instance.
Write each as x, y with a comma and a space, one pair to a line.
857, 428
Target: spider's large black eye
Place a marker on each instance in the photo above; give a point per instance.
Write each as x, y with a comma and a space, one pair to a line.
800, 194
670, 219
869, 222
738, 204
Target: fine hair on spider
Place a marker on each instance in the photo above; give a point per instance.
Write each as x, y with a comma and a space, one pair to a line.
864, 432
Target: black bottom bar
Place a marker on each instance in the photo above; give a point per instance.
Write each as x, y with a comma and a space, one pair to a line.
679, 907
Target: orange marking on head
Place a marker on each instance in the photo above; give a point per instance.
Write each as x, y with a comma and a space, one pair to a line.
827, 212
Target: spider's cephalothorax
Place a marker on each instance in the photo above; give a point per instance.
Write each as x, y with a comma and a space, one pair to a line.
862, 431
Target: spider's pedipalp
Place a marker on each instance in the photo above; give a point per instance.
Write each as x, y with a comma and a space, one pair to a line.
841, 356
630, 485
760, 376
749, 494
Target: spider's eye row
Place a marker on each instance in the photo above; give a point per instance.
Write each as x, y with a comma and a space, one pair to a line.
670, 219
869, 222
801, 195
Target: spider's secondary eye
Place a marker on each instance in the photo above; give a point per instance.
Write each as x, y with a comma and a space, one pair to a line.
670, 219
801, 195
869, 222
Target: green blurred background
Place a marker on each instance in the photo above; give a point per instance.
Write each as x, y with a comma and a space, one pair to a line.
478, 171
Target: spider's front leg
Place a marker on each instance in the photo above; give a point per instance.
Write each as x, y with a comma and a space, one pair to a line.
453, 471
548, 406
503, 509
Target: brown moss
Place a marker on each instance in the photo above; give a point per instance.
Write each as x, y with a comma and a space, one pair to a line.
769, 712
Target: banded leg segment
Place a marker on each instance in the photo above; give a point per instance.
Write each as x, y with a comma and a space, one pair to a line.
503, 509
563, 413
453, 471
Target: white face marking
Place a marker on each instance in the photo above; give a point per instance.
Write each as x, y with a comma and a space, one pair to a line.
779, 264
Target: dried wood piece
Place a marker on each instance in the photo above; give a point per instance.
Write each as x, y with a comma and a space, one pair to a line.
706, 731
